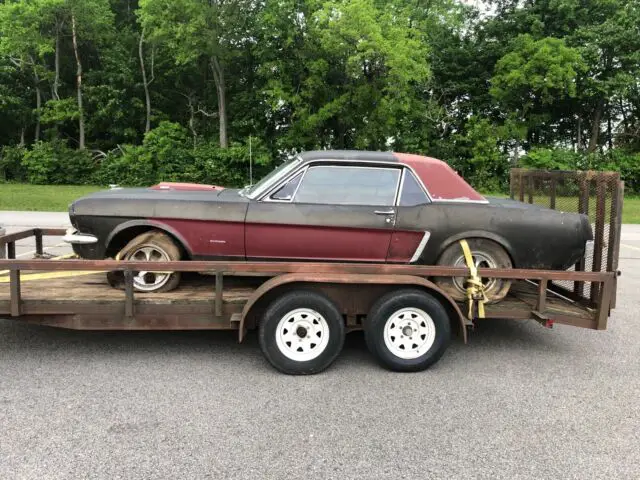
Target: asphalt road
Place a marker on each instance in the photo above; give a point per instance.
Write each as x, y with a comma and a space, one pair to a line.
518, 401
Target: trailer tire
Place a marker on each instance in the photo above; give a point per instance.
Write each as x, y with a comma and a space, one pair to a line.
407, 330
302, 332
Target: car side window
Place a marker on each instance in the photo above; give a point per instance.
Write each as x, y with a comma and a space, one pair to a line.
412, 193
285, 193
349, 185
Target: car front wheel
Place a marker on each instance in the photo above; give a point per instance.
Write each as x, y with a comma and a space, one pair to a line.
151, 246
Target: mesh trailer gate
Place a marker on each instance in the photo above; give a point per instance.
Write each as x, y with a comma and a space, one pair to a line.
599, 195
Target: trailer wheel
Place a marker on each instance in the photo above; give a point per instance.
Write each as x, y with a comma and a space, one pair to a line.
407, 330
301, 333
149, 246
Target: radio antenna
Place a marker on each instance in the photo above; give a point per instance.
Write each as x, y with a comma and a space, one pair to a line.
250, 164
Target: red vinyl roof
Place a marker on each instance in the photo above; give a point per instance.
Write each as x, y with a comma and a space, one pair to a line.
442, 181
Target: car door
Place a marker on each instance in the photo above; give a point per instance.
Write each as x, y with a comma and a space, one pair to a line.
327, 212
414, 217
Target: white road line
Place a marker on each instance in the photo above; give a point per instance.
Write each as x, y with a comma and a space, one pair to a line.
4, 272
44, 249
630, 246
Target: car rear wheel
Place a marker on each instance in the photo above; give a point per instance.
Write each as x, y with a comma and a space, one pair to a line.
301, 333
407, 330
486, 254
151, 246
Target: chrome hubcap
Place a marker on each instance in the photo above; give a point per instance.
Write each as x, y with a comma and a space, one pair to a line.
480, 260
144, 280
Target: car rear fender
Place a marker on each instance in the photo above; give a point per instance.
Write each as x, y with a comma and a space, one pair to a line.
500, 240
285, 282
150, 224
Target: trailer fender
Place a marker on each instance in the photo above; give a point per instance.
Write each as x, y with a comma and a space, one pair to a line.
408, 280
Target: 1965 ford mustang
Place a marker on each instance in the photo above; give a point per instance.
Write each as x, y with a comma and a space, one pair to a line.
338, 206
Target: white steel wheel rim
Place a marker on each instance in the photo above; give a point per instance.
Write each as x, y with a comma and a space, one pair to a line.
144, 280
409, 333
302, 335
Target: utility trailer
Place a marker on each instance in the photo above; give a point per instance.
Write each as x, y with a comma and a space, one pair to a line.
302, 311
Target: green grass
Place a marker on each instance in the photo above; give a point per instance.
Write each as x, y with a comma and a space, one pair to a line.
56, 198
41, 198
631, 210
630, 207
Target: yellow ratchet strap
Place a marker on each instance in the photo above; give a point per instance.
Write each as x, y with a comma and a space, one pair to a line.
475, 287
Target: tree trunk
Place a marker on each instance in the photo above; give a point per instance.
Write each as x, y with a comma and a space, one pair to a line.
579, 135
36, 136
218, 76
595, 127
192, 120
36, 79
609, 132
81, 142
145, 82
22, 137
56, 79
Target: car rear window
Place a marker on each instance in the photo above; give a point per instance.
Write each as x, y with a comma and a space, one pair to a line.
412, 193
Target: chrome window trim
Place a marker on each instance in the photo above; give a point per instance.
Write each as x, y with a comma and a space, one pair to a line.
420, 184
314, 164
396, 169
273, 191
268, 188
420, 248
460, 200
337, 161
399, 192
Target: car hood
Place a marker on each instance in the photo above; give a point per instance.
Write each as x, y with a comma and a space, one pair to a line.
154, 201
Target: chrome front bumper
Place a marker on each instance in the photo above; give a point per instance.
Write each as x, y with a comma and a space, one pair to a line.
72, 236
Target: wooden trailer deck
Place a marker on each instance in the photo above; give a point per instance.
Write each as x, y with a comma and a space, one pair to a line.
92, 295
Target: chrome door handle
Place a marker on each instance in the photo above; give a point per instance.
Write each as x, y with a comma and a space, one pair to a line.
384, 212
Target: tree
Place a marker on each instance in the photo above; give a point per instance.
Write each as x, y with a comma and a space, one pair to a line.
193, 29
533, 75
24, 45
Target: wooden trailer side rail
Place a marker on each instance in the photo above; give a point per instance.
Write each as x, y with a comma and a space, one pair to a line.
320, 273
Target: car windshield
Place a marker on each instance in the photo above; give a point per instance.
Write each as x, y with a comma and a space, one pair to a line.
271, 178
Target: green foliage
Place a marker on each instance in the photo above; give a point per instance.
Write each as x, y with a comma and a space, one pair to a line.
11, 169
542, 70
228, 166
627, 163
167, 154
164, 155
59, 111
487, 167
553, 159
444, 78
57, 164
